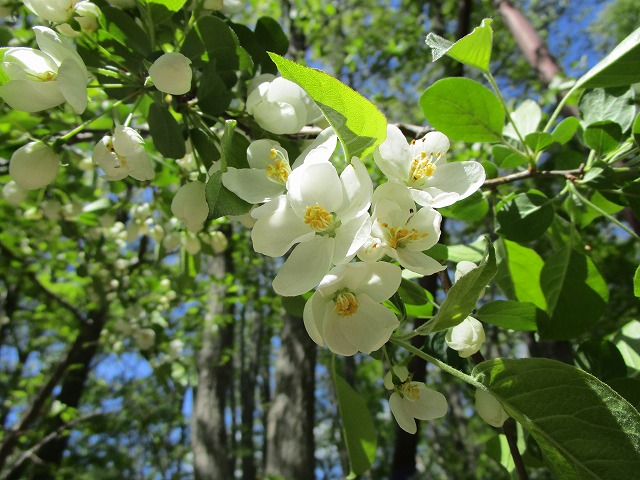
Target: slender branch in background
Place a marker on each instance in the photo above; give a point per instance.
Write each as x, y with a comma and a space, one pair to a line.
571, 175
511, 433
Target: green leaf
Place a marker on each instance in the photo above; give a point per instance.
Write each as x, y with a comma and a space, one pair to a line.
631, 193
525, 217
219, 41
270, 35
360, 126
471, 209
538, 141
519, 316
526, 117
615, 104
463, 295
166, 132
620, 67
565, 130
463, 110
4, 78
590, 213
417, 300
601, 358
234, 147
635, 129
506, 157
585, 428
359, 432
213, 95
125, 30
576, 295
173, 5
205, 147
628, 343
603, 137
636, 283
223, 202
518, 274
473, 49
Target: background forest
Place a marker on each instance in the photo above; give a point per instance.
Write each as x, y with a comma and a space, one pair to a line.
133, 348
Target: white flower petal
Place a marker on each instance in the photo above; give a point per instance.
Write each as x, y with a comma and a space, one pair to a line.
434, 144
305, 267
334, 336
259, 152
378, 280
171, 73
29, 96
350, 237
312, 323
72, 80
405, 420
430, 405
428, 221
320, 149
401, 372
463, 178
251, 184
396, 193
418, 262
393, 156
314, 184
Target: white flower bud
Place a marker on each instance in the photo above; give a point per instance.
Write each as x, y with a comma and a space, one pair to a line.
466, 338
123, 154
33, 166
192, 244
279, 106
145, 338
171, 73
490, 409
171, 241
57, 11
14, 193
86, 14
462, 268
175, 347
218, 241
190, 205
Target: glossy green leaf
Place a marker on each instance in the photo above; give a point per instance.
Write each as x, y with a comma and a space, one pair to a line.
125, 30
576, 294
473, 49
359, 432
590, 214
525, 217
628, 343
620, 67
359, 124
586, 429
270, 35
506, 157
213, 95
565, 130
526, 118
635, 129
223, 202
628, 388
204, 146
538, 141
165, 132
519, 271
601, 358
219, 41
519, 316
173, 5
417, 300
462, 297
614, 104
603, 137
636, 283
463, 110
471, 209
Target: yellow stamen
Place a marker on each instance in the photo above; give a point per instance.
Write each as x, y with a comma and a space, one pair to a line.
422, 167
409, 390
278, 171
317, 217
400, 237
346, 303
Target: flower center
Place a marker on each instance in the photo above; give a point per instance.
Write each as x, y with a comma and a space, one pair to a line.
278, 170
422, 167
319, 219
400, 237
409, 391
346, 303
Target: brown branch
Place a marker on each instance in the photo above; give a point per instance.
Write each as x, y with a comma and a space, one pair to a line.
568, 174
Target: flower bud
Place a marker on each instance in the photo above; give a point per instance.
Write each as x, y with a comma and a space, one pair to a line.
171, 73
33, 166
218, 241
490, 409
86, 14
14, 193
279, 106
192, 244
123, 154
190, 205
466, 338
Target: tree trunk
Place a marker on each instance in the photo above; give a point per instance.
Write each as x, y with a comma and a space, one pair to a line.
290, 449
208, 432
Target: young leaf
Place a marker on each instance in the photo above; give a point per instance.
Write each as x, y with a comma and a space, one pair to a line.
173, 5
357, 427
166, 132
463, 110
360, 126
125, 30
576, 295
473, 49
636, 283
505, 157
519, 316
628, 342
518, 274
620, 67
603, 137
526, 117
585, 428
463, 295
538, 141
565, 130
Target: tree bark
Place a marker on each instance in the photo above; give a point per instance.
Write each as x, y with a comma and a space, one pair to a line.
290, 448
208, 431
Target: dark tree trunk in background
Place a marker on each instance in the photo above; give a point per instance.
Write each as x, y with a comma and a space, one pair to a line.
290, 448
208, 431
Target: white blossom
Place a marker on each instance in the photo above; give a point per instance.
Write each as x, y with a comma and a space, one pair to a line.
190, 205
87, 15
413, 400
401, 231
422, 166
490, 409
14, 193
45, 78
123, 154
345, 312
34, 165
325, 214
171, 73
467, 337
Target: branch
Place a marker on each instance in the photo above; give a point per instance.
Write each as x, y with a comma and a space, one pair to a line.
568, 174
